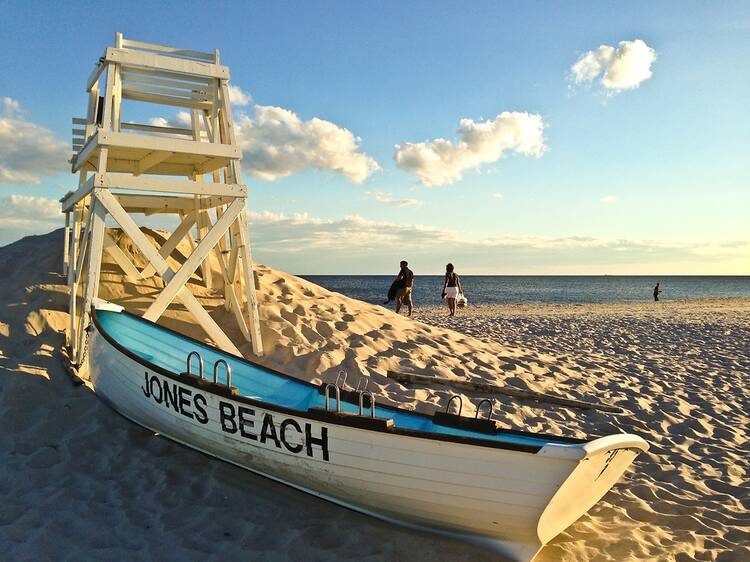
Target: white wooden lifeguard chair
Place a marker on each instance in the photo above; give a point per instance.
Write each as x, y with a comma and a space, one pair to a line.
128, 169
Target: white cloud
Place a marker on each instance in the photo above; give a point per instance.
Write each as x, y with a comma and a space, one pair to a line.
442, 162
279, 232
497, 195
26, 209
617, 69
11, 107
28, 151
387, 199
238, 97
608, 199
277, 143
22, 215
353, 244
14, 176
181, 120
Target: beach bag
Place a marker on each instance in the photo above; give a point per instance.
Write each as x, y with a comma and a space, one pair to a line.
395, 286
461, 300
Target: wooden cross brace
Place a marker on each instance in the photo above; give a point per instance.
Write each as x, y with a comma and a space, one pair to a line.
176, 280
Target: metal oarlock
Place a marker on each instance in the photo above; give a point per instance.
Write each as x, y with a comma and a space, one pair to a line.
460, 404
341, 377
228, 370
200, 363
479, 408
336, 389
362, 391
362, 395
362, 387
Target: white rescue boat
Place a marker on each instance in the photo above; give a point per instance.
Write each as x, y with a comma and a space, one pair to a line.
461, 476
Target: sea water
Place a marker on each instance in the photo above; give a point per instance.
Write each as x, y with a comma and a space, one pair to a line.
507, 289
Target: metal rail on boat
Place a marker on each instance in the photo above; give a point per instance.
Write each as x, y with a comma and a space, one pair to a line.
228, 370
481, 425
188, 367
361, 393
460, 404
479, 408
201, 370
334, 390
337, 390
341, 377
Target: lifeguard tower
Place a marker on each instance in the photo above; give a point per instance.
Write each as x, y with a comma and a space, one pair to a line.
128, 170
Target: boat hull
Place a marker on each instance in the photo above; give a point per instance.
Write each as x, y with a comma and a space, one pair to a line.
510, 499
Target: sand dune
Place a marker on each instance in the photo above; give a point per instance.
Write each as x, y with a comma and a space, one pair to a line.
80, 482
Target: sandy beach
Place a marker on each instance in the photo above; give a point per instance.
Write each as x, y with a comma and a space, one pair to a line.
681, 370
79, 482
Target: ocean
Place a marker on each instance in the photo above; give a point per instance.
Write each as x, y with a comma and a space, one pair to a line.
511, 289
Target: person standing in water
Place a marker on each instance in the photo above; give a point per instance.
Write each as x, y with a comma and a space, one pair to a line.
405, 280
656, 292
451, 288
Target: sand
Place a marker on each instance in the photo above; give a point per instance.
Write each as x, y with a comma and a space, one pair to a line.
78, 481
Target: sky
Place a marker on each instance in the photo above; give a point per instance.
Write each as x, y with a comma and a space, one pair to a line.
505, 137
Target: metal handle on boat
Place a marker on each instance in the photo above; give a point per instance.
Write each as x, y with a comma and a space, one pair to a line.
460, 404
365, 380
362, 395
330, 386
227, 368
362, 391
479, 407
341, 377
200, 363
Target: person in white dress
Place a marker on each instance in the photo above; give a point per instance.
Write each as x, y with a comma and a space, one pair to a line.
451, 288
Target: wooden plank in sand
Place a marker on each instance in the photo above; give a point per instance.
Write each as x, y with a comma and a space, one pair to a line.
413, 378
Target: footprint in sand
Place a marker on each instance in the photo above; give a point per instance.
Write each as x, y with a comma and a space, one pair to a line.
374, 335
324, 329
290, 317
289, 333
311, 335
356, 340
459, 372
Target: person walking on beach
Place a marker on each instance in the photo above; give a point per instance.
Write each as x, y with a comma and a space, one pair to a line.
405, 282
656, 292
451, 288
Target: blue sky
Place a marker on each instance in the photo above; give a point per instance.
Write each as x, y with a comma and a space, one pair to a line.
646, 179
